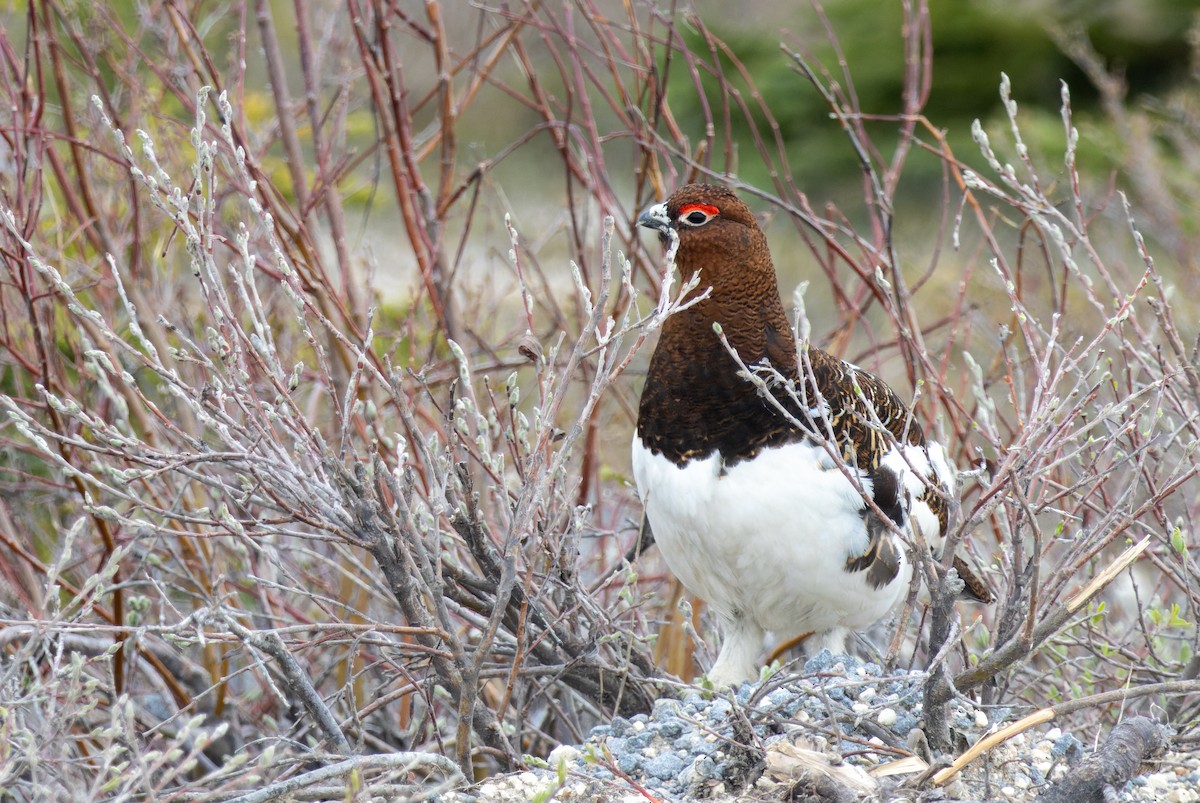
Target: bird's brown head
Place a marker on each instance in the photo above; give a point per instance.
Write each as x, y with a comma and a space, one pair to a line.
718, 234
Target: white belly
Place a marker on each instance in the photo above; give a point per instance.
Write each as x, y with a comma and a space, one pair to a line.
767, 540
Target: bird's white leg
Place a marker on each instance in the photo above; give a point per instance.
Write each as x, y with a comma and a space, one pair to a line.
833, 640
738, 659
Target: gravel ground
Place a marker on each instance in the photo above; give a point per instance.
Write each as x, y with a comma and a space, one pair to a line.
843, 716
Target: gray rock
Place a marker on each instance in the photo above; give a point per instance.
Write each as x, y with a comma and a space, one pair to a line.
665, 767
671, 728
628, 763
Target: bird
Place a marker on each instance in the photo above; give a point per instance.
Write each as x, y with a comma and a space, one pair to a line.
759, 505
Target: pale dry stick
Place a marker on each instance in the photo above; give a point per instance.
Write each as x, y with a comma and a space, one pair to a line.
647, 324
1001, 736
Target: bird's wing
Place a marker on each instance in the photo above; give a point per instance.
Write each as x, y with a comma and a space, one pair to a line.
857, 403
868, 421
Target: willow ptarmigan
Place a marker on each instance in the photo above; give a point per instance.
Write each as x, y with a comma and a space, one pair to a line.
750, 511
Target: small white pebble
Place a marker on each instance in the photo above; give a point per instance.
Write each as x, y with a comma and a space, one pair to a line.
886, 717
860, 708
563, 754
639, 726
1053, 735
867, 695
981, 719
1159, 781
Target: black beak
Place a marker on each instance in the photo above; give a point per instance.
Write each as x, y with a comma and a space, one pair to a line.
656, 218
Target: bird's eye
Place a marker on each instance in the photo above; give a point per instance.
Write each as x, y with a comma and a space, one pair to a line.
697, 214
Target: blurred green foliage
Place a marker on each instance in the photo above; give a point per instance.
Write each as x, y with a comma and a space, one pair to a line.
973, 42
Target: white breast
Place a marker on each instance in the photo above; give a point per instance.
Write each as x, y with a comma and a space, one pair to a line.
767, 539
